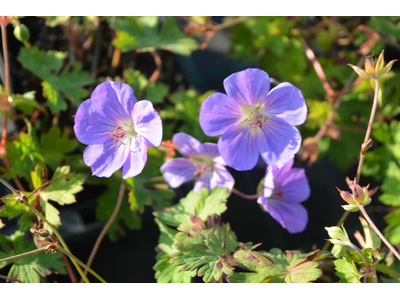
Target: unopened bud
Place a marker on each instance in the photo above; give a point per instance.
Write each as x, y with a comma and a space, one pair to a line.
21, 33
339, 239
359, 196
366, 145
369, 66
361, 72
5, 20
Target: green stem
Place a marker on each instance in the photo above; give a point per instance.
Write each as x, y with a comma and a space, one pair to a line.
74, 259
364, 212
25, 201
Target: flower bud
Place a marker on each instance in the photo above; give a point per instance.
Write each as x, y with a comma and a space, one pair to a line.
21, 33
5, 20
339, 239
372, 70
359, 195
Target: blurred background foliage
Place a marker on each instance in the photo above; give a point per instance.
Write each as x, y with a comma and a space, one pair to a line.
177, 62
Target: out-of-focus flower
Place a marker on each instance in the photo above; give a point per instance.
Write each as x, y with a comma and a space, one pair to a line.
117, 129
359, 195
254, 120
283, 191
309, 150
372, 70
203, 163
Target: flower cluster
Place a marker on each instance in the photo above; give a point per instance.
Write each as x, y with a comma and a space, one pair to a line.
251, 119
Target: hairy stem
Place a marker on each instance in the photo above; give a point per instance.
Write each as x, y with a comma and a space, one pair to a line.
22, 254
362, 154
25, 201
105, 229
75, 260
366, 216
245, 196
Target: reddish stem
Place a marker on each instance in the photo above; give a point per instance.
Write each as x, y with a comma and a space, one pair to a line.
245, 196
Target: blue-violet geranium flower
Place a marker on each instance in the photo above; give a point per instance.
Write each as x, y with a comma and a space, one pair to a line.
254, 120
203, 163
117, 129
283, 191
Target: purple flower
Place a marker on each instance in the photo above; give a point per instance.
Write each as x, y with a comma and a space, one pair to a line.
117, 129
204, 163
254, 120
284, 190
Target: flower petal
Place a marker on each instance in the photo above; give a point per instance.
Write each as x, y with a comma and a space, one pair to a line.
286, 102
212, 150
219, 112
90, 128
136, 159
295, 185
250, 87
293, 216
105, 159
203, 182
113, 100
238, 148
178, 171
187, 145
274, 177
147, 122
222, 178
278, 142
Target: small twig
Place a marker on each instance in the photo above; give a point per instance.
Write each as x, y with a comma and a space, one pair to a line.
338, 101
4, 96
366, 216
75, 260
318, 68
245, 196
105, 229
23, 254
230, 23
158, 62
69, 269
9, 278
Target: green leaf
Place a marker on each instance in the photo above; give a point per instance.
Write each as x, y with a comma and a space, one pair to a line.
372, 240
166, 272
106, 204
55, 145
392, 231
26, 102
12, 208
205, 247
23, 155
275, 267
347, 270
28, 269
201, 204
388, 271
142, 33
391, 186
56, 102
64, 186
156, 92
57, 82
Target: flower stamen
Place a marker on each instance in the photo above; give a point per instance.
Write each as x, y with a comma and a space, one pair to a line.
256, 121
118, 134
